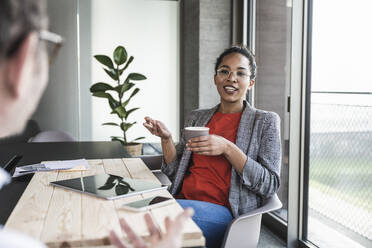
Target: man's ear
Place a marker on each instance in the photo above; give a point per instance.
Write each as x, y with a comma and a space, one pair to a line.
16, 65
251, 83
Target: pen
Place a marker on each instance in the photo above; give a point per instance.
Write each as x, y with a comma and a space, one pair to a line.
12, 163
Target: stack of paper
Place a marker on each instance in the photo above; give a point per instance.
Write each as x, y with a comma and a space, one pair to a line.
65, 165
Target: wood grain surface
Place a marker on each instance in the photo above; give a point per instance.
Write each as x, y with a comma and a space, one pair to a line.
64, 218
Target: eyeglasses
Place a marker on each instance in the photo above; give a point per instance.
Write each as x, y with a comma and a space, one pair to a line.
224, 73
54, 43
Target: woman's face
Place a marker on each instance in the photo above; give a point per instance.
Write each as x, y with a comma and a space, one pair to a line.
233, 78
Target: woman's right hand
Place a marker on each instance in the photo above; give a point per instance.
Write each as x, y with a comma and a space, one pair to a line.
157, 128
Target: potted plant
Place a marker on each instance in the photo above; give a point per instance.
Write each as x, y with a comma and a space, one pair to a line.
119, 94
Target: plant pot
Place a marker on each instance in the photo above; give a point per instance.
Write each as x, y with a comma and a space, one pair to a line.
134, 149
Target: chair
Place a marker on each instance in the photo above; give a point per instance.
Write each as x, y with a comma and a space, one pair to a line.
31, 129
52, 136
153, 162
244, 231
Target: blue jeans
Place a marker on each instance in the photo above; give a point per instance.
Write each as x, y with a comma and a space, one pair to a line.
212, 219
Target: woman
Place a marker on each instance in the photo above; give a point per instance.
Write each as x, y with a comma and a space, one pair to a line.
231, 171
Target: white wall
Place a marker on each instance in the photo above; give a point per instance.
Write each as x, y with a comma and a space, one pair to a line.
149, 32
59, 106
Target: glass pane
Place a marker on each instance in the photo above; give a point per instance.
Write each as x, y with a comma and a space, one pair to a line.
340, 179
273, 47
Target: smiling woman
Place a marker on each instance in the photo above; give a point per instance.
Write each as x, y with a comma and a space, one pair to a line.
233, 169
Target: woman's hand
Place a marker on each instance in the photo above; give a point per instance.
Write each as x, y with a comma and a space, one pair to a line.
171, 239
211, 145
157, 128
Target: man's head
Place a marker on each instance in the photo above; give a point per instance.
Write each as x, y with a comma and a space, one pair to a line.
23, 61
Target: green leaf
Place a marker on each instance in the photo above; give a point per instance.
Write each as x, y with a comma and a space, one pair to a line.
116, 139
125, 126
110, 124
130, 111
124, 104
120, 55
136, 76
120, 111
126, 65
112, 73
114, 104
126, 87
135, 91
105, 95
139, 138
105, 60
100, 87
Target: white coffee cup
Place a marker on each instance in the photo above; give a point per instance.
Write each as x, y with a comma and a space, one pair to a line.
192, 132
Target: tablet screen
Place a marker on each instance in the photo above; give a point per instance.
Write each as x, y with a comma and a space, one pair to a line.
108, 186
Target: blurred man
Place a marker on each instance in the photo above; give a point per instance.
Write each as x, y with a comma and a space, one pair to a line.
25, 45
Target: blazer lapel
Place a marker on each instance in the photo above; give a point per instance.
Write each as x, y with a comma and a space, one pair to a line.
243, 137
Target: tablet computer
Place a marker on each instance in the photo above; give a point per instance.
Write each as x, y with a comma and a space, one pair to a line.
109, 186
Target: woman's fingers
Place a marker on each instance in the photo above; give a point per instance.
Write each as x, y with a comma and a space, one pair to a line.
198, 144
115, 240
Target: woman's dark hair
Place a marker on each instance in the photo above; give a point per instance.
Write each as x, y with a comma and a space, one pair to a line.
17, 19
243, 51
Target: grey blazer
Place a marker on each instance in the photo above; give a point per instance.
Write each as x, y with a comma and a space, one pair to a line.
259, 138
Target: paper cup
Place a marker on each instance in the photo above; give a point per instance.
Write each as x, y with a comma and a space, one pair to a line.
192, 132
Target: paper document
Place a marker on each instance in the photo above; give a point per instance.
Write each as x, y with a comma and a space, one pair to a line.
81, 164
65, 165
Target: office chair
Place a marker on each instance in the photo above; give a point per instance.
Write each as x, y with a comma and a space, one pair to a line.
153, 162
244, 231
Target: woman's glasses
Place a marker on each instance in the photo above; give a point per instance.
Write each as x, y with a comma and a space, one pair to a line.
224, 73
54, 43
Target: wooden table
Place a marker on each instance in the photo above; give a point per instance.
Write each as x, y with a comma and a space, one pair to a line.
60, 217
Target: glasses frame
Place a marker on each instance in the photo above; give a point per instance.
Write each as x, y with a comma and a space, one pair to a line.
53, 38
248, 76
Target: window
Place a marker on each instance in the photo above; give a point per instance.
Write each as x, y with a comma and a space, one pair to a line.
338, 168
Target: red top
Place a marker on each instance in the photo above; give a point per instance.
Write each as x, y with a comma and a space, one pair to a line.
209, 177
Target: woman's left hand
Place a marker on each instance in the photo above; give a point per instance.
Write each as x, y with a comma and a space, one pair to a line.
211, 145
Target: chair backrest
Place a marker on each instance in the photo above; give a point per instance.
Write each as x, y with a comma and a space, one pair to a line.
31, 129
52, 136
153, 162
244, 231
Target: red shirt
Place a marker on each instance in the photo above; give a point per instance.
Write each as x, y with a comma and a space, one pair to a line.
209, 177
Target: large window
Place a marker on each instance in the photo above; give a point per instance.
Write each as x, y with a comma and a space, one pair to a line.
338, 174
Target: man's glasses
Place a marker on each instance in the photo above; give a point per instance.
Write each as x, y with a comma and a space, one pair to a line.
54, 43
224, 73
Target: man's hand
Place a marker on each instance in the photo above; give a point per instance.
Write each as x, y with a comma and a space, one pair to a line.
211, 145
171, 239
157, 128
